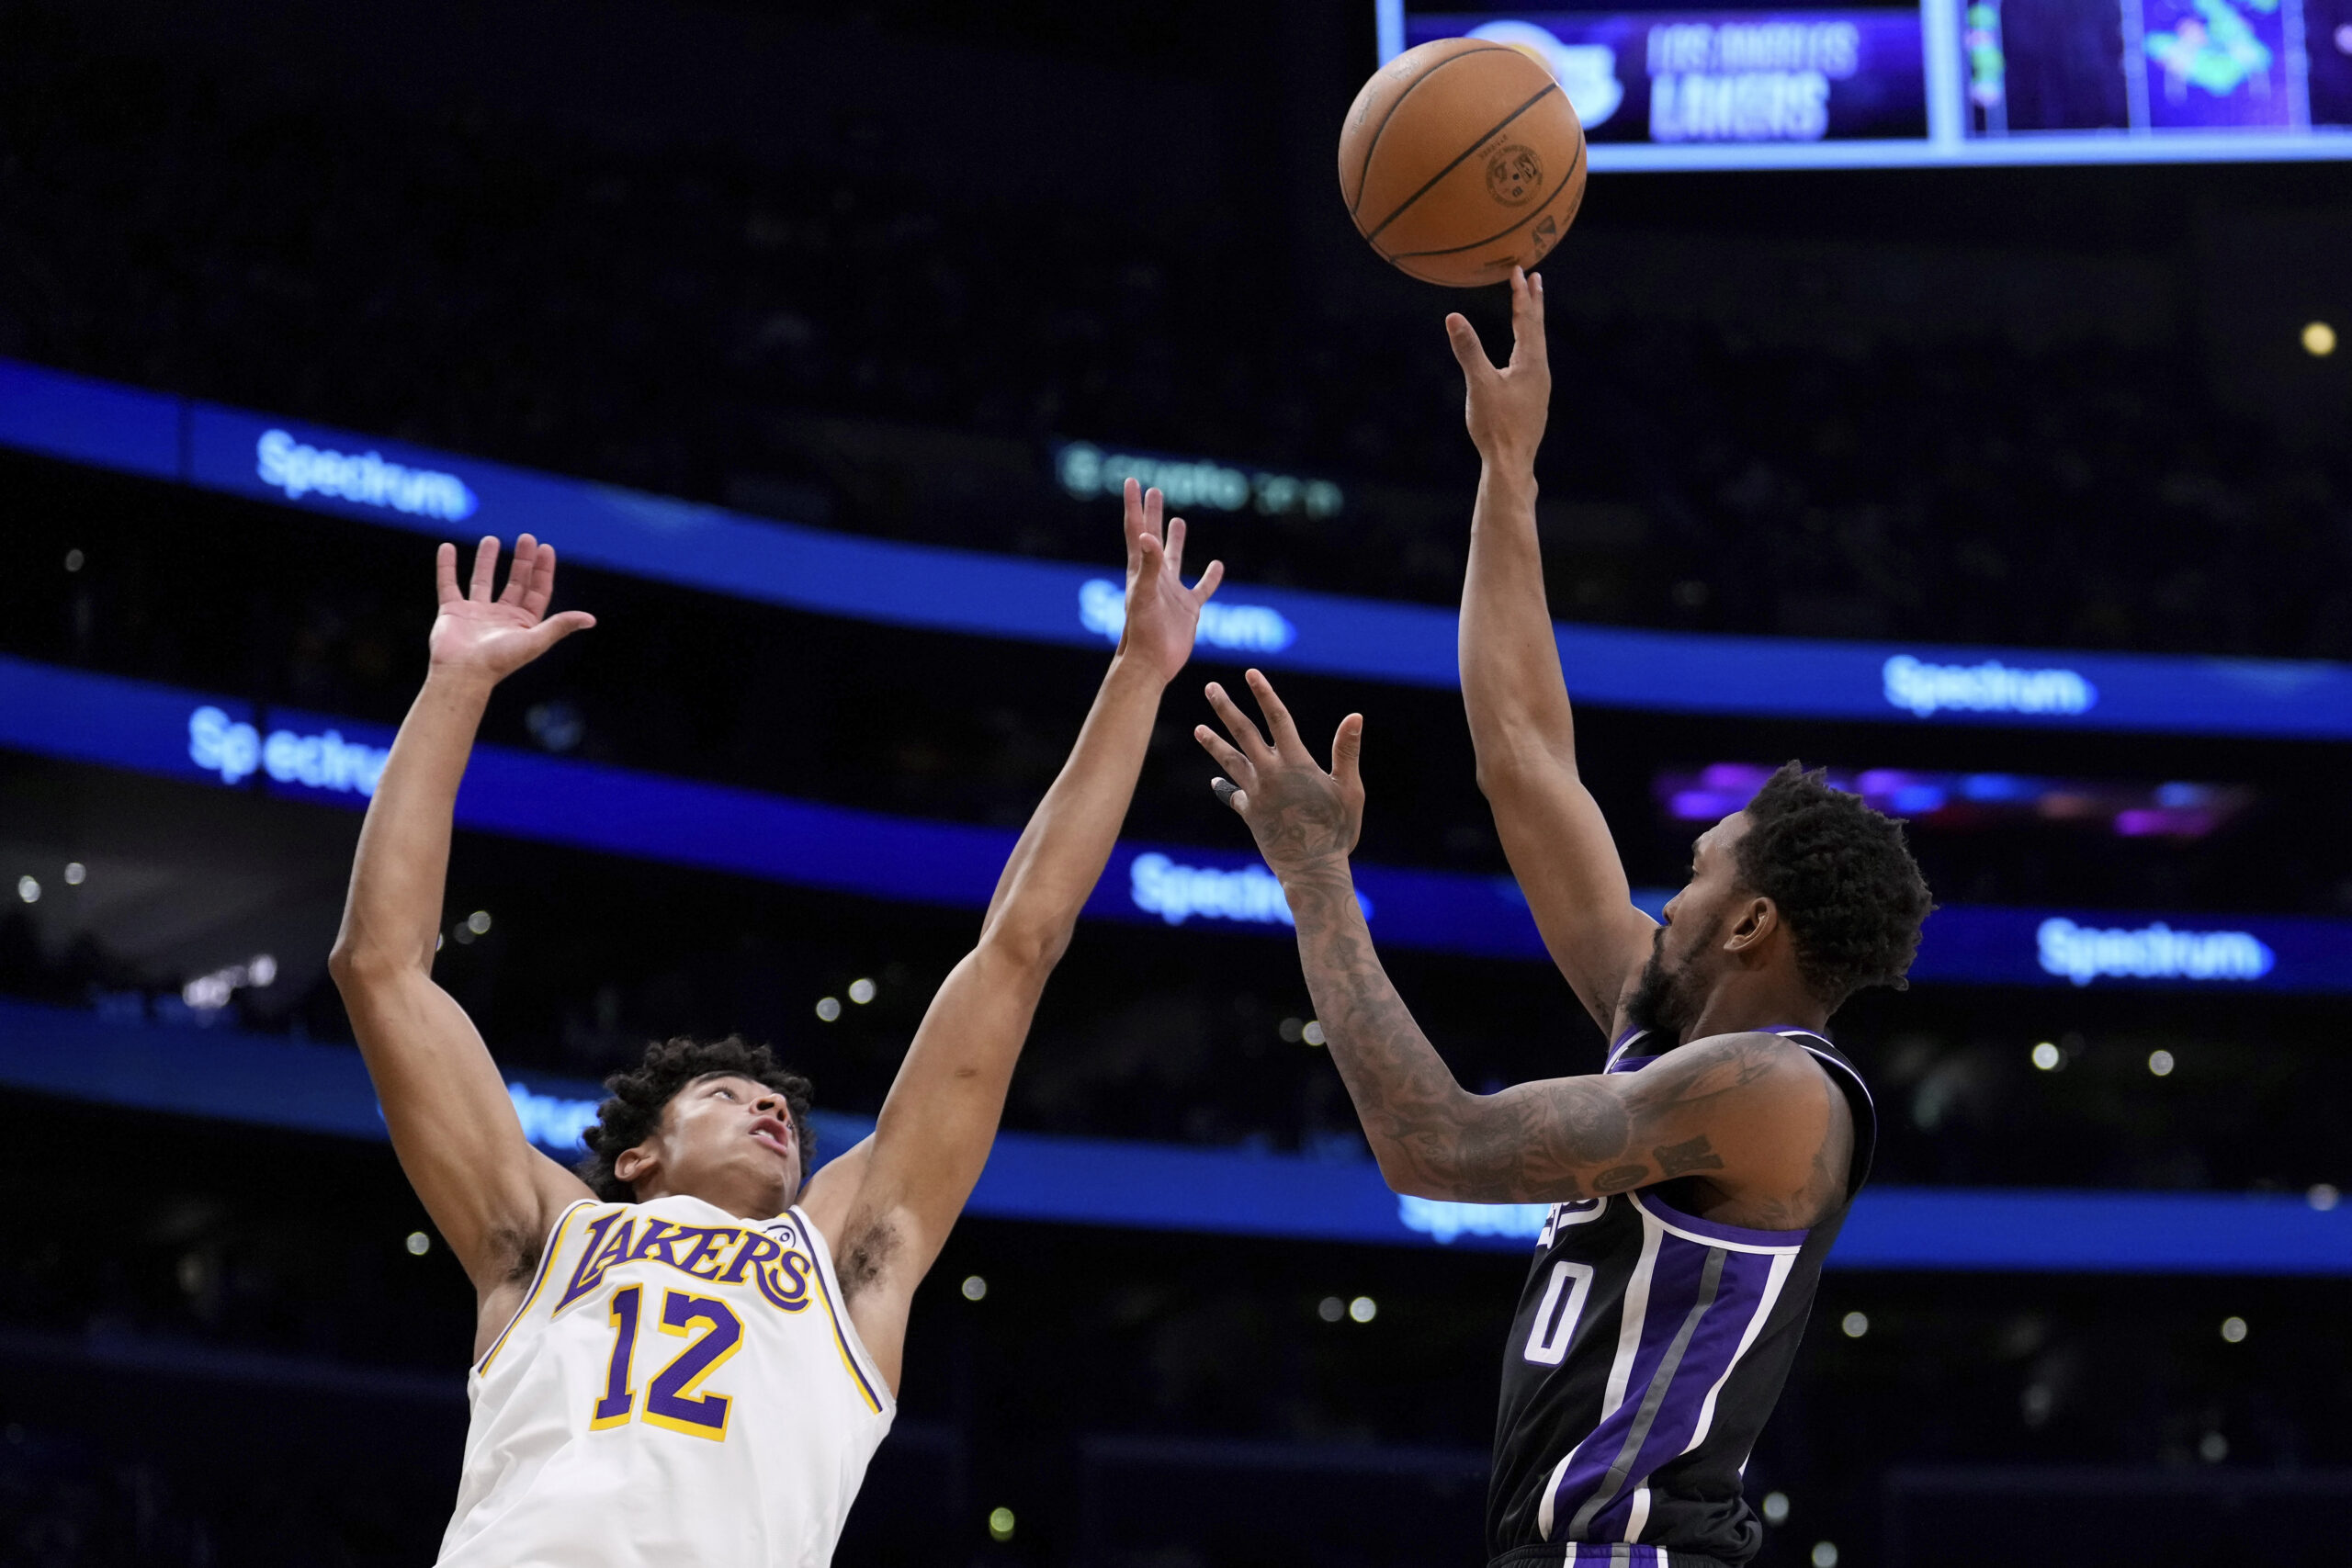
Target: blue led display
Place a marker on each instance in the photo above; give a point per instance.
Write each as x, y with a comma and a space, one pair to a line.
221, 1073
440, 495
297, 755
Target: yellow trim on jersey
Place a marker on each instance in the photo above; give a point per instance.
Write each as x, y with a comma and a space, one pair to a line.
840, 1341
546, 1266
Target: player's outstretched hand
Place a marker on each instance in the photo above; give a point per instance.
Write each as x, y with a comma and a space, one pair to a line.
1163, 615
1506, 408
477, 634
1301, 816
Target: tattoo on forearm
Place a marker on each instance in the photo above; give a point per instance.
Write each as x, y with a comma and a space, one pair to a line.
1546, 1140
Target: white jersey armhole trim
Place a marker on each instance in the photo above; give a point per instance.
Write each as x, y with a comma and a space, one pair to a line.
538, 1281
854, 1352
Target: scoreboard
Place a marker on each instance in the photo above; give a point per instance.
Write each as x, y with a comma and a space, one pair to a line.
1942, 82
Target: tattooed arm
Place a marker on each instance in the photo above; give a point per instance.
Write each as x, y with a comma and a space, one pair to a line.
1748, 1118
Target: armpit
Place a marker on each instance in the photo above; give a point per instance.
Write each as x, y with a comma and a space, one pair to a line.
516, 1253
872, 1244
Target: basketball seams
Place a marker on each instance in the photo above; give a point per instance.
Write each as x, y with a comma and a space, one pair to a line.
1544, 206
1363, 173
1480, 140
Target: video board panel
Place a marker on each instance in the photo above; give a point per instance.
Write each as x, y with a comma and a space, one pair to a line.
1749, 84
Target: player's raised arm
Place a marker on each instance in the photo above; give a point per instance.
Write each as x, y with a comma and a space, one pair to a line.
490, 1193
885, 1208
1521, 725
1747, 1111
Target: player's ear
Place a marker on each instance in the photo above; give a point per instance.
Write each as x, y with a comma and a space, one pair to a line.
1754, 925
632, 1164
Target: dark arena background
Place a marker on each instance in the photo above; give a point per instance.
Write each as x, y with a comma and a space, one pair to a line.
1996, 461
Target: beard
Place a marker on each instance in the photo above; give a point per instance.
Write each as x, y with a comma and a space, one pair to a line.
1667, 999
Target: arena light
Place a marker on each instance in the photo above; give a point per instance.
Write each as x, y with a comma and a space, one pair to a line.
2234, 1329
2319, 339
1855, 1324
418, 1244
75, 874
829, 1007
1776, 1507
861, 991
29, 890
1363, 1308
2160, 1062
974, 1288
2048, 1057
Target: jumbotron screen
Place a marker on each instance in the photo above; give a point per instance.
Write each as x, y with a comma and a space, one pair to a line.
1943, 82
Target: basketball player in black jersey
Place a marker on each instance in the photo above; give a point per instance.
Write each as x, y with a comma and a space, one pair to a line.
1698, 1180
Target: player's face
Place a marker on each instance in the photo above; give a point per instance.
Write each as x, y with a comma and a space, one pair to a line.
728, 1140
1685, 956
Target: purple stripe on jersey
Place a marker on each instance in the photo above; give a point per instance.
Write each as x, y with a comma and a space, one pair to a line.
1673, 1289
1630, 1064
1712, 1347
1784, 1241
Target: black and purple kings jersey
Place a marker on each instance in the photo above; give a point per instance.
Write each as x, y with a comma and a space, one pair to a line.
1649, 1347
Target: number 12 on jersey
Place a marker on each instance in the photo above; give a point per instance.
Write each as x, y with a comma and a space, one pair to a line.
712, 1333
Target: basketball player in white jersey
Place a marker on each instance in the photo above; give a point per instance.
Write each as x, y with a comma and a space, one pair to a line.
1698, 1180
694, 1362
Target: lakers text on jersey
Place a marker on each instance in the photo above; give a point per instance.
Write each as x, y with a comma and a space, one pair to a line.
679, 1385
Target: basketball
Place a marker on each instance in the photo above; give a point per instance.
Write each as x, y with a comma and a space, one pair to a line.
1461, 160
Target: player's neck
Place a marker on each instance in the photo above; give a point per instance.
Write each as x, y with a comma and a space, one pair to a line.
1762, 1000
757, 1207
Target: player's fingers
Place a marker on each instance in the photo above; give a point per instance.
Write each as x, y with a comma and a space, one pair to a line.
1347, 751
1153, 505
1176, 547
1207, 584
1232, 795
1235, 765
445, 574
1278, 719
555, 628
1131, 515
1467, 350
1526, 319
518, 570
542, 588
1238, 724
485, 568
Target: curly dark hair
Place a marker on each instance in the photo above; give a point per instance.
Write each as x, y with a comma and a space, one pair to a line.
1843, 878
640, 1096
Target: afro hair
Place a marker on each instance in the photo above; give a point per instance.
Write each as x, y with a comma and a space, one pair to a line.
1842, 877
641, 1094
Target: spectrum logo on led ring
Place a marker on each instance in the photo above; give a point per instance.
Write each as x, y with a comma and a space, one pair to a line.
1990, 687
300, 470
234, 750
2156, 951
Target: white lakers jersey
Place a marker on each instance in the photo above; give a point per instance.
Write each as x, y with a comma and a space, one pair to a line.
680, 1386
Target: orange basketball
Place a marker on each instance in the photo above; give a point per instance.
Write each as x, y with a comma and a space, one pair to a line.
1461, 160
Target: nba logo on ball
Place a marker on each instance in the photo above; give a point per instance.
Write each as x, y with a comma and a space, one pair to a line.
1513, 174
1463, 159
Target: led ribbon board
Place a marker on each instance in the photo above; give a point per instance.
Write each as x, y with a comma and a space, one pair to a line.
442, 496
295, 755
218, 1072
1750, 84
